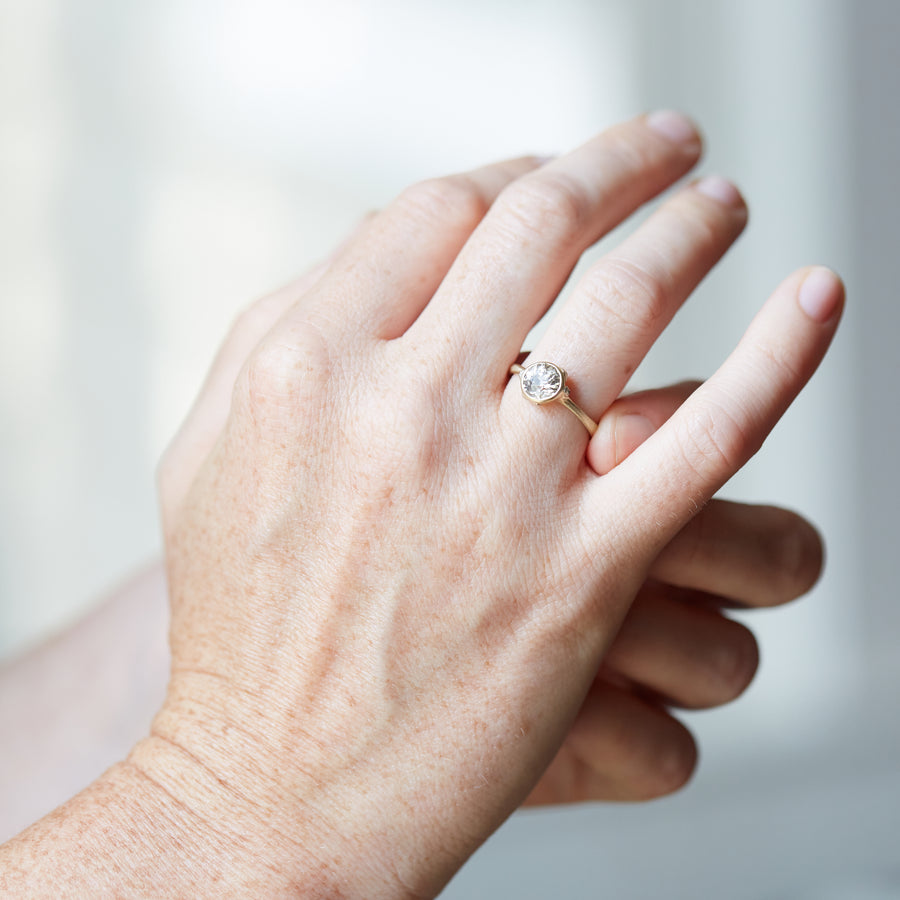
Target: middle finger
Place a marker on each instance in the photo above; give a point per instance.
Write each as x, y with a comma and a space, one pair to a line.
626, 300
520, 256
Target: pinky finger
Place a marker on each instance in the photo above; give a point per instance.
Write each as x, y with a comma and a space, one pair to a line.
720, 427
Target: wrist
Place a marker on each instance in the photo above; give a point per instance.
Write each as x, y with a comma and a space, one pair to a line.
270, 808
337, 811
121, 835
157, 825
224, 833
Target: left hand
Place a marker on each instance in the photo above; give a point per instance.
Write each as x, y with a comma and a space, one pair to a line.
393, 581
675, 646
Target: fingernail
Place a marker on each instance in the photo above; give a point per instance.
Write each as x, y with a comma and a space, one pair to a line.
720, 189
632, 430
674, 126
820, 294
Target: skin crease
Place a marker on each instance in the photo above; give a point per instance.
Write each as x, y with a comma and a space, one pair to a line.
385, 627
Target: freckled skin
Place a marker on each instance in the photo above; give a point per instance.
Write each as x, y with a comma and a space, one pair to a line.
394, 584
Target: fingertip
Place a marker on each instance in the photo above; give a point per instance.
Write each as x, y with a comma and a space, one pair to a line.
677, 128
738, 663
820, 549
803, 557
677, 764
793, 555
722, 191
664, 766
821, 294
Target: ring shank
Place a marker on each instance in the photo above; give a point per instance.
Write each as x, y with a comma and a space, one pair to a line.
583, 417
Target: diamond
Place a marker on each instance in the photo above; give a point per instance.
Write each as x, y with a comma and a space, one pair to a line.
542, 381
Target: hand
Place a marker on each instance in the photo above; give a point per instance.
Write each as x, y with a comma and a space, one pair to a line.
674, 648
393, 580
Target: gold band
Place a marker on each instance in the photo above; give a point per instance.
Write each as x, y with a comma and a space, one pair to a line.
544, 382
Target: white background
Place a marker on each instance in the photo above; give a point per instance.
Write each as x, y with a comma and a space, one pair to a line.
163, 164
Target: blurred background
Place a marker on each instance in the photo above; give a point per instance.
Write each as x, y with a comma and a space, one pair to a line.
161, 165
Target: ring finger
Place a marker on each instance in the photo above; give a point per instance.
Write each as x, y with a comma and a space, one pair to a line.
626, 300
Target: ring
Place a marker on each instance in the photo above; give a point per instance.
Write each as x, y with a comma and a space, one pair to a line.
544, 382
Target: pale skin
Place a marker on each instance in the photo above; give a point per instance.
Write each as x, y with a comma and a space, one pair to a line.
62, 732
388, 631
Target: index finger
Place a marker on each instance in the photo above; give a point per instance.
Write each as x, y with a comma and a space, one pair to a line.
669, 478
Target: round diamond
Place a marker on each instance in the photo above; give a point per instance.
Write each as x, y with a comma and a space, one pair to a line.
542, 381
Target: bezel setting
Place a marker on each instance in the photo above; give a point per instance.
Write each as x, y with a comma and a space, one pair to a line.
543, 382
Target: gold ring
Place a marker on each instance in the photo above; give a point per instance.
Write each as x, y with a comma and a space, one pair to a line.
544, 382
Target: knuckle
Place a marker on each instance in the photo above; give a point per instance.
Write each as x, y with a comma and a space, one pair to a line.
402, 445
624, 147
547, 204
400, 439
454, 198
272, 377
780, 360
626, 294
713, 441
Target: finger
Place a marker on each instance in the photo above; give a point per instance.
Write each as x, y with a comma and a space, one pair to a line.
672, 475
387, 277
625, 301
687, 654
519, 258
434, 217
621, 747
631, 420
752, 555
